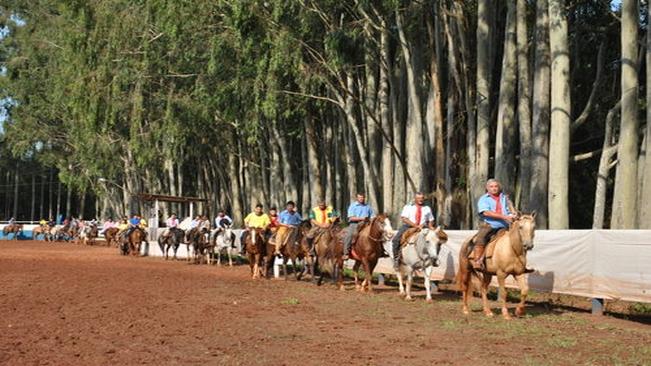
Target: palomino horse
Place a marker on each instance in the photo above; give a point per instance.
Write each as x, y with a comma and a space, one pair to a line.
40, 230
509, 257
12, 229
222, 240
110, 235
294, 248
173, 240
368, 249
420, 255
255, 250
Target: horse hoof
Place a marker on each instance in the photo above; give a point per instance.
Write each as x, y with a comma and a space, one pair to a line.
506, 315
408, 298
429, 301
466, 312
519, 311
489, 313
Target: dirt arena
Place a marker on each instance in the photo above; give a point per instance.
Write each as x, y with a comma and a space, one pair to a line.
65, 304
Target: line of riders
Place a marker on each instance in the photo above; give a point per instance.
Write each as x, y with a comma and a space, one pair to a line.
496, 249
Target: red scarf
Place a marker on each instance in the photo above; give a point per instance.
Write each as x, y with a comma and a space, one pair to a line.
419, 213
498, 203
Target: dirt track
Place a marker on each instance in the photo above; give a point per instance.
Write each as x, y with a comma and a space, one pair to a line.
67, 304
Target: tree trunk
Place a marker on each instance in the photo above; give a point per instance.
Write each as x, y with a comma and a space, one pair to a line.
32, 212
436, 124
524, 113
82, 204
505, 138
16, 190
559, 145
625, 192
68, 201
315, 178
234, 186
645, 201
58, 199
607, 152
387, 125
42, 197
483, 104
414, 131
540, 123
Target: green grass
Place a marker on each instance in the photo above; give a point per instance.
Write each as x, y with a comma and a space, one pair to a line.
291, 301
562, 342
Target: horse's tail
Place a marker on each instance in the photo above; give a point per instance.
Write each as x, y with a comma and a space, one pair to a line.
465, 272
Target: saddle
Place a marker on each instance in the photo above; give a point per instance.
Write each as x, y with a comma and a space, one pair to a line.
490, 247
409, 236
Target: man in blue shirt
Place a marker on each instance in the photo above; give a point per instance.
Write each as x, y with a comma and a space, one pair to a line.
497, 213
288, 218
358, 211
134, 222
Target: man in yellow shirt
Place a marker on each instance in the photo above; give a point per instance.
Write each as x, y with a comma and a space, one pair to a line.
255, 220
321, 217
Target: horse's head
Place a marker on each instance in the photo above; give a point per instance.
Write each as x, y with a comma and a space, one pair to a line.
434, 239
380, 227
526, 226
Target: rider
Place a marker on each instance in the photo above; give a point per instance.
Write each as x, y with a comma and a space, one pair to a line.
107, 225
358, 211
255, 220
42, 223
273, 216
288, 218
222, 220
497, 212
321, 217
12, 221
413, 216
172, 224
51, 222
134, 223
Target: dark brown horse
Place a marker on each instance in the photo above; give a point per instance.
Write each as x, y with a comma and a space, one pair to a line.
15, 229
255, 250
294, 248
196, 239
506, 255
110, 235
368, 249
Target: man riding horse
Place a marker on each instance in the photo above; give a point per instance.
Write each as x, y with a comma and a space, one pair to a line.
497, 212
358, 212
290, 219
414, 217
321, 217
255, 220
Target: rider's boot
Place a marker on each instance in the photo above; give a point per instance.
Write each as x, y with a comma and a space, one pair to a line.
478, 262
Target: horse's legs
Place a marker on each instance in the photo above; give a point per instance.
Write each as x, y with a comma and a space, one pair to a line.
427, 274
486, 280
368, 276
524, 290
410, 279
501, 279
401, 287
356, 274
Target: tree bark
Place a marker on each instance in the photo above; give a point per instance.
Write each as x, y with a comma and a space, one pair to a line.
541, 117
16, 190
385, 117
559, 146
414, 132
483, 104
609, 149
32, 212
625, 192
505, 137
524, 112
645, 201
313, 160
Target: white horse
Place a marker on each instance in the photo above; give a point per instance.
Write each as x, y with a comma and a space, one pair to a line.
222, 239
421, 255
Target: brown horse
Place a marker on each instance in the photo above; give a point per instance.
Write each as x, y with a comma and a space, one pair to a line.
255, 251
12, 229
110, 235
294, 247
329, 249
135, 239
509, 257
368, 249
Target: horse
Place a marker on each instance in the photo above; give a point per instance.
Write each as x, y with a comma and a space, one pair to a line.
40, 230
221, 240
172, 240
298, 250
421, 254
88, 233
196, 240
368, 249
15, 229
110, 235
134, 241
255, 251
329, 249
509, 258
292, 247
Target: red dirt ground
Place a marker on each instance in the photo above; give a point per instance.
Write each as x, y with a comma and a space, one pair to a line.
66, 304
